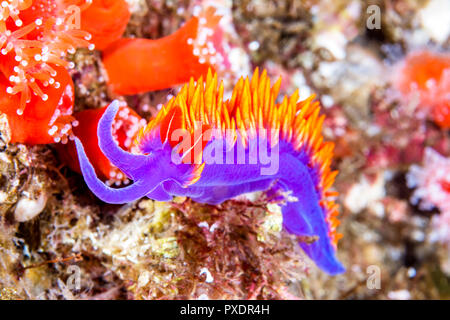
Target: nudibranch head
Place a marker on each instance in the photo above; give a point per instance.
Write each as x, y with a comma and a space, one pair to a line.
125, 127
251, 110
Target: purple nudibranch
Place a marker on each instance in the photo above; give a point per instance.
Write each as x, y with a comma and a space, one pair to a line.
210, 164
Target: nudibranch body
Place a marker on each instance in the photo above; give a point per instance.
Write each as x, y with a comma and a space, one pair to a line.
136, 65
212, 150
37, 91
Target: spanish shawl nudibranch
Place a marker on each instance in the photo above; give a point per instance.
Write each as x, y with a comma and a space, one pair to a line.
37, 90
137, 65
200, 116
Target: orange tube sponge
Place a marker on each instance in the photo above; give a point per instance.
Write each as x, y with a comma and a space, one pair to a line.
126, 127
140, 65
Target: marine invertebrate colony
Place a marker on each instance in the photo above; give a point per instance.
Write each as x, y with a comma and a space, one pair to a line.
137, 65
42, 121
37, 91
181, 153
425, 76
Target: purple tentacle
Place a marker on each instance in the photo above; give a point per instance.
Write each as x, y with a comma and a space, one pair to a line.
110, 195
127, 162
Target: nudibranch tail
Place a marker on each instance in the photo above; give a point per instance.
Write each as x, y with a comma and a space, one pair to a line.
304, 216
